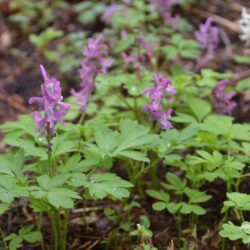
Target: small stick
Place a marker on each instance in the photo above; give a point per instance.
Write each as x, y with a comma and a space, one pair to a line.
232, 6
240, 77
233, 26
10, 101
227, 42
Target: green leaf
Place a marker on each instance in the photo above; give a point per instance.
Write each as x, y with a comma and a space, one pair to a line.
173, 208
32, 237
190, 208
39, 205
184, 118
219, 125
15, 242
229, 230
25, 230
240, 200
3, 208
159, 195
240, 132
176, 183
113, 144
144, 221
24, 125
29, 147
132, 135
243, 85
44, 181
9, 189
159, 206
5, 165
196, 196
170, 51
10, 237
63, 148
242, 59
200, 108
77, 179
187, 133
101, 185
62, 197
45, 37
18, 162
70, 163
138, 156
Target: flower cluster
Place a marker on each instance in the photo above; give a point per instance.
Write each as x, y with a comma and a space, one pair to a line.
148, 47
208, 36
142, 58
95, 62
156, 96
223, 101
128, 59
245, 26
51, 108
163, 7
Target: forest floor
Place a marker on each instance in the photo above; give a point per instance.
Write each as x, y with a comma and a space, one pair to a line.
20, 79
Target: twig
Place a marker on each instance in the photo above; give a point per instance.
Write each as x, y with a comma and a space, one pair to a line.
240, 77
94, 244
232, 6
80, 210
96, 241
227, 42
10, 101
233, 26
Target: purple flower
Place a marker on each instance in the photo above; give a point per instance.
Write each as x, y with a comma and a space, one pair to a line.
135, 59
165, 119
95, 62
82, 96
208, 36
156, 96
163, 7
223, 101
164, 84
51, 109
148, 47
128, 59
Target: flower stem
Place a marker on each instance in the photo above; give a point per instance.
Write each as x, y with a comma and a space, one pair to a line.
39, 219
50, 170
81, 118
58, 229
2, 235
54, 230
178, 222
65, 228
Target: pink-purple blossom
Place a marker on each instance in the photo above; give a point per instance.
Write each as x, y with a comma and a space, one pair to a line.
128, 59
165, 119
142, 58
163, 7
51, 109
222, 100
156, 95
95, 62
148, 47
208, 36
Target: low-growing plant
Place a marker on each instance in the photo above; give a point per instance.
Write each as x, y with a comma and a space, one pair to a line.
139, 123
